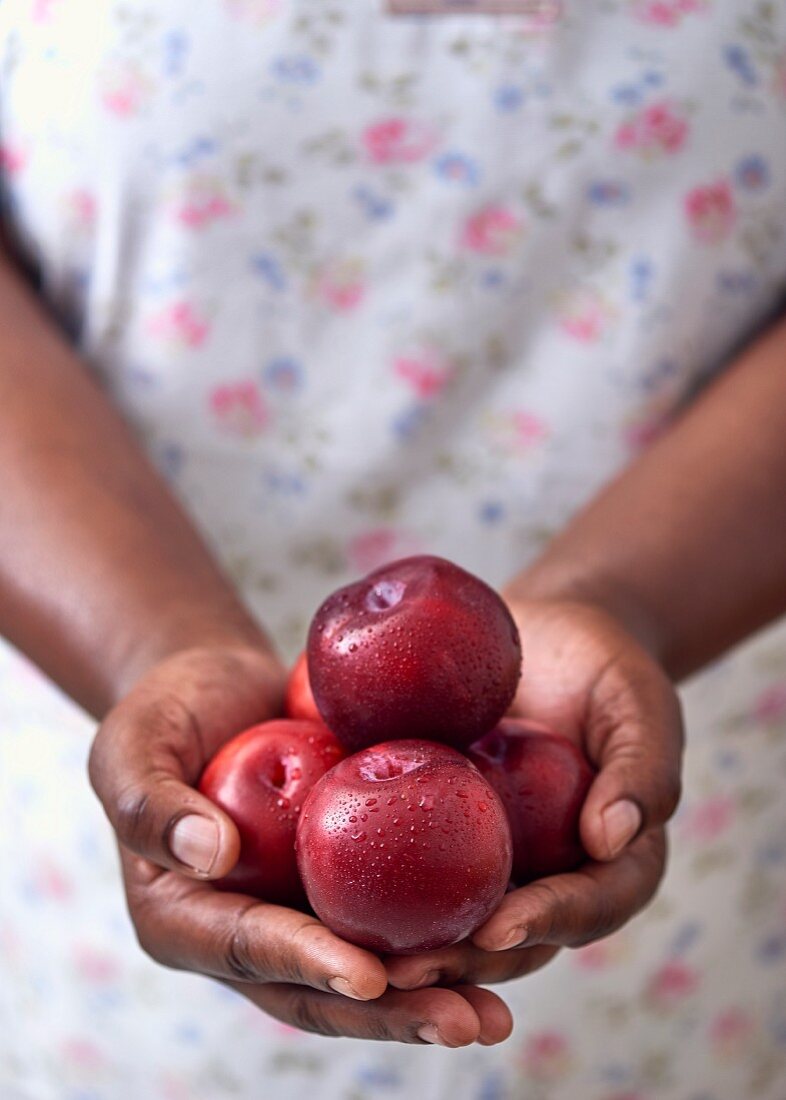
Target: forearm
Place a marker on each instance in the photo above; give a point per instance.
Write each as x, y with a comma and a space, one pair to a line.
101, 572
688, 545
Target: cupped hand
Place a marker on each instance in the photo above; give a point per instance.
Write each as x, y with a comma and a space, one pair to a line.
586, 676
145, 761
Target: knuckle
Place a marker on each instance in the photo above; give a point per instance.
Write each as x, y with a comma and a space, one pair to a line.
130, 813
456, 972
306, 940
306, 1013
602, 920
375, 1027
245, 958
549, 915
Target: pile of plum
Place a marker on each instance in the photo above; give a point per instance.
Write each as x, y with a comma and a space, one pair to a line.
410, 843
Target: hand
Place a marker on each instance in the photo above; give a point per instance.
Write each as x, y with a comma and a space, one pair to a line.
588, 678
147, 755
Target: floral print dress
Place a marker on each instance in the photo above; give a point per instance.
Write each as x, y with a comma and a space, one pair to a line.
368, 283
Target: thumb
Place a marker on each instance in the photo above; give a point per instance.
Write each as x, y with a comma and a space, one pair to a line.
635, 737
141, 764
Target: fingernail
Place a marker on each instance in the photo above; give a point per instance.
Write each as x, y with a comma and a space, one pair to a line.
345, 988
429, 978
194, 842
621, 822
430, 1033
516, 937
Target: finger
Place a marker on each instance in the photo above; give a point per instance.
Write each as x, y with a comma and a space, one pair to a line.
441, 1017
464, 962
635, 737
191, 926
574, 909
496, 1019
140, 764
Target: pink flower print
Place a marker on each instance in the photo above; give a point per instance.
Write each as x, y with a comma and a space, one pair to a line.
204, 202
546, 1055
540, 18
603, 954
82, 206
254, 11
83, 1053
516, 430
710, 212
341, 285
647, 427
667, 13
42, 10
707, 820
14, 158
730, 1032
529, 429
181, 325
124, 90
239, 408
398, 141
371, 549
658, 128
586, 317
770, 707
426, 371
50, 882
671, 984
174, 1088
492, 231
659, 12
95, 967
595, 956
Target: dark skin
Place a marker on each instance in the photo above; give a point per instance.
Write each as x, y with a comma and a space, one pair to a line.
106, 584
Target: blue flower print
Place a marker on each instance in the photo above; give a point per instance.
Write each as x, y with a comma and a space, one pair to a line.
407, 423
772, 948
739, 61
641, 273
266, 265
175, 50
737, 282
608, 193
491, 512
380, 1077
284, 483
375, 206
195, 151
508, 98
752, 173
628, 95
296, 69
171, 459
283, 374
458, 168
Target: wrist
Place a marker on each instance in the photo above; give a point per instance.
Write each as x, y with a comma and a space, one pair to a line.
183, 628
547, 582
